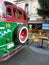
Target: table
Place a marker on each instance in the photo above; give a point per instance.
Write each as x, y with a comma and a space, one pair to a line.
43, 38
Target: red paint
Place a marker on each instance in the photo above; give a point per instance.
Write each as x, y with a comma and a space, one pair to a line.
23, 35
12, 17
5, 56
1, 59
12, 52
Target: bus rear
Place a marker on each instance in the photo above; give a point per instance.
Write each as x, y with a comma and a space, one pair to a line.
13, 30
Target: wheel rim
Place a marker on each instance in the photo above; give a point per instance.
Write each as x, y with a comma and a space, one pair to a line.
23, 34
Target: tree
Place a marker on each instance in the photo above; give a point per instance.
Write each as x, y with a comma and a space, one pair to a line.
44, 8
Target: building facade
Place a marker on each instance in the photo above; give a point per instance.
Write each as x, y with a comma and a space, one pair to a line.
30, 7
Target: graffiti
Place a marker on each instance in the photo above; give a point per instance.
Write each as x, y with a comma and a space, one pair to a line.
5, 32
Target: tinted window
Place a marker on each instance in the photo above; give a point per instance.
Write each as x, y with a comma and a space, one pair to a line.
20, 14
17, 13
9, 11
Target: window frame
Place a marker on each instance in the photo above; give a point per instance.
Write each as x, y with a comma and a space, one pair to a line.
18, 13
9, 6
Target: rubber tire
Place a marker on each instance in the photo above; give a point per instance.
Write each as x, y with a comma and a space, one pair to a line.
16, 36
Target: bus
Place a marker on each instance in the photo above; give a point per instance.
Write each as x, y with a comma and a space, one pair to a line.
13, 29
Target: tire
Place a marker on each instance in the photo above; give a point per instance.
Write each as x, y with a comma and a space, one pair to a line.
18, 37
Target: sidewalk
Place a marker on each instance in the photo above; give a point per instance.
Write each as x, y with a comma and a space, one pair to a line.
38, 50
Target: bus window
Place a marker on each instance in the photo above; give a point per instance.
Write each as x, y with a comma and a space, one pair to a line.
9, 11
17, 13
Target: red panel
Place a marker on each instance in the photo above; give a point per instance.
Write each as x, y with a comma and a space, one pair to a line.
5, 56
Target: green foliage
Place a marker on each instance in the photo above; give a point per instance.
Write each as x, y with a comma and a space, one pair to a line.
44, 4
44, 8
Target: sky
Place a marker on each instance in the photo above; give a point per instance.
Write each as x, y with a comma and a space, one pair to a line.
6, 0
1, 1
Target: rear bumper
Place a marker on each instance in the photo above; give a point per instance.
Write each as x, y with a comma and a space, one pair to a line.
8, 55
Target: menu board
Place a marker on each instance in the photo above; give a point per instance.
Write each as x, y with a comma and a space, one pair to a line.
45, 26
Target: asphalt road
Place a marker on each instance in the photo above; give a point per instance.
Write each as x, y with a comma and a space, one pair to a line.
27, 57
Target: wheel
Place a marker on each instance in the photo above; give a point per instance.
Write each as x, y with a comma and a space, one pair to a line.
20, 35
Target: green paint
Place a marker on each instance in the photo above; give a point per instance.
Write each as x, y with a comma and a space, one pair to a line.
6, 32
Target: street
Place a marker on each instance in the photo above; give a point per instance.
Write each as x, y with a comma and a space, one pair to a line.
27, 57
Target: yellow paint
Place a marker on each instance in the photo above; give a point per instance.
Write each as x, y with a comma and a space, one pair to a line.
7, 25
